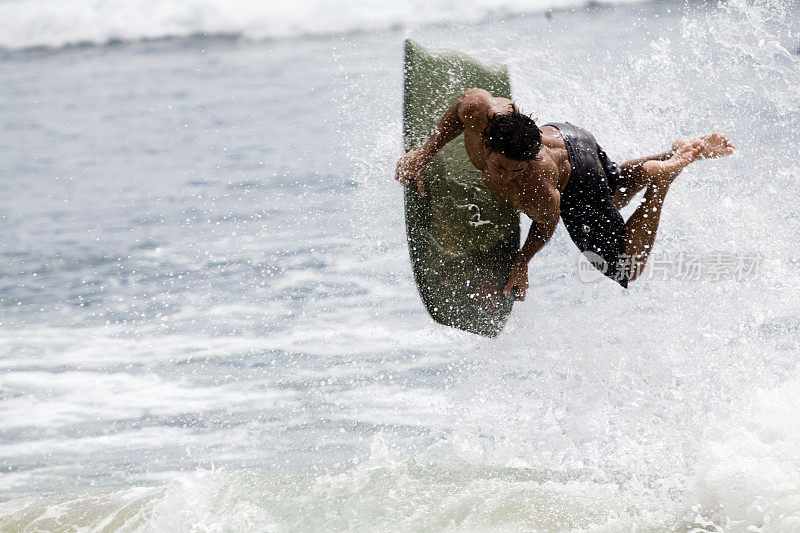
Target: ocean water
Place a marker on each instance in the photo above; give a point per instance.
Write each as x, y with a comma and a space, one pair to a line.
208, 320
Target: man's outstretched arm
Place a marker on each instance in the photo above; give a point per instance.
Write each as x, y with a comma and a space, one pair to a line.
413, 164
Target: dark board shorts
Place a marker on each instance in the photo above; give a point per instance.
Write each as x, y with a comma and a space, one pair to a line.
591, 219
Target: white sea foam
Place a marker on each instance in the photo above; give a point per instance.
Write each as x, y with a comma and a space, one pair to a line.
389, 491
56, 23
747, 482
749, 476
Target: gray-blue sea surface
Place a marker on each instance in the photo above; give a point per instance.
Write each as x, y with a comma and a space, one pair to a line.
208, 318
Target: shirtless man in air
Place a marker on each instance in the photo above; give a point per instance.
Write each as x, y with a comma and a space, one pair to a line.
559, 170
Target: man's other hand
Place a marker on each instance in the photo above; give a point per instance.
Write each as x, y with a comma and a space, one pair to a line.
517, 277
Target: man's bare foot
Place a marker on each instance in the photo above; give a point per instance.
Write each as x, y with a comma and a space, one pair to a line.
684, 152
715, 145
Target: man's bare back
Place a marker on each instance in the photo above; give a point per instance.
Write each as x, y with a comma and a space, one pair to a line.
529, 167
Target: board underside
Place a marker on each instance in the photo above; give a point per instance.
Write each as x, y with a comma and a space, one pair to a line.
461, 240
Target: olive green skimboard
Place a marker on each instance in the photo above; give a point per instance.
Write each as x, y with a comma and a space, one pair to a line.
461, 240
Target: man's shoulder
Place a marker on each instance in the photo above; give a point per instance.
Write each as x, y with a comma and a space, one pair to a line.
475, 106
478, 97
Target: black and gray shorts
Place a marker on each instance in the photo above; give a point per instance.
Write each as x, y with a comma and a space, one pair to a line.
591, 219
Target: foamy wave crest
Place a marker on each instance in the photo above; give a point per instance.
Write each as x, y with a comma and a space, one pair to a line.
57, 23
388, 492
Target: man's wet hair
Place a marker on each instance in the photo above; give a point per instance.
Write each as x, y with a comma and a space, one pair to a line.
513, 135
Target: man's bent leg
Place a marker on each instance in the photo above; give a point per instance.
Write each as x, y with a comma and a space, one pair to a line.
632, 180
642, 226
641, 229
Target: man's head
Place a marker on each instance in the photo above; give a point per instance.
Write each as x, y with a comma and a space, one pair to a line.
512, 140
